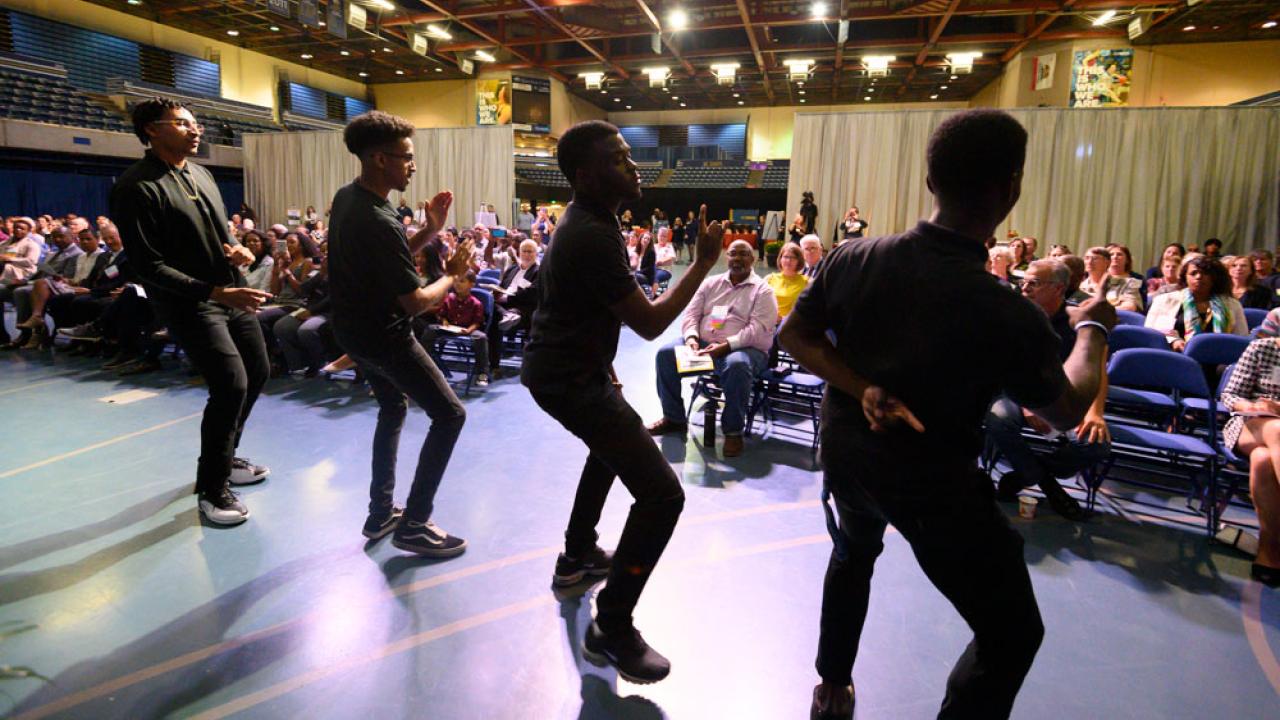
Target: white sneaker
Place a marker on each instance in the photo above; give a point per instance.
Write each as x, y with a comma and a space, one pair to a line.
223, 508
482, 380
244, 472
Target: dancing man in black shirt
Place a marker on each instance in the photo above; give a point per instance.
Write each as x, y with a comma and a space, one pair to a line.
902, 415
587, 292
376, 291
174, 229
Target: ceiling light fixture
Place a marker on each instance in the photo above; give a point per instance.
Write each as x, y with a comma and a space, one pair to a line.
344, 53
386, 49
485, 56
877, 65
617, 99
1268, 24
1104, 18
818, 11
933, 97
736, 95
657, 76
867, 98
307, 56
275, 28
439, 70
962, 62
399, 72
801, 92
677, 20
724, 72
942, 87
628, 107
438, 32
801, 99
675, 97
683, 105
798, 70
1189, 28
363, 74
233, 33
953, 77
739, 102
592, 79
135, 2
382, 4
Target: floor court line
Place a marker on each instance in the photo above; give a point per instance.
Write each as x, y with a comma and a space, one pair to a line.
1251, 615
31, 386
98, 445
300, 681
195, 656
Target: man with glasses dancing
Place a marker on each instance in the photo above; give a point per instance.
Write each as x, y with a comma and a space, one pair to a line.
174, 227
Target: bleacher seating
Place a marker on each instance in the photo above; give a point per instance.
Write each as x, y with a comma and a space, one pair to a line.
547, 176
775, 177
49, 98
649, 173
700, 176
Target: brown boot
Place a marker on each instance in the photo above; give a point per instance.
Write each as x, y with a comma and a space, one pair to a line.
668, 427
832, 702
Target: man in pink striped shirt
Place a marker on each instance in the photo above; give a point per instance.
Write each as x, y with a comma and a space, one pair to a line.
730, 319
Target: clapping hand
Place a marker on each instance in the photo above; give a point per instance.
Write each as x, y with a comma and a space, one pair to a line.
438, 211
237, 254
460, 261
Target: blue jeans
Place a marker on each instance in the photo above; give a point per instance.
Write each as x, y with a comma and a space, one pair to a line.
737, 372
1004, 429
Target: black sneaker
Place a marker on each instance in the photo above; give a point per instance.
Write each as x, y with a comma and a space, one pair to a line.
571, 571
376, 527
1009, 485
427, 539
223, 508
88, 332
628, 652
119, 360
244, 472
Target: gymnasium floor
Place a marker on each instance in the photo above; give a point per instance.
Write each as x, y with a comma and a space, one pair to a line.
113, 591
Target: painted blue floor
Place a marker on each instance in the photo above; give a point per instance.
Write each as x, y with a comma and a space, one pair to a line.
113, 591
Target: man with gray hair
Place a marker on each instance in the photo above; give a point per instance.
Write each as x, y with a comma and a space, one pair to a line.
1046, 284
811, 249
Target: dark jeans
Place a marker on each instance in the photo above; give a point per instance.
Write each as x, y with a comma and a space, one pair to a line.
226, 346
621, 447
1004, 430
127, 319
398, 370
965, 546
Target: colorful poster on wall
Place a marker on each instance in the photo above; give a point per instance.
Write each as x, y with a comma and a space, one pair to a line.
1100, 78
1042, 72
493, 102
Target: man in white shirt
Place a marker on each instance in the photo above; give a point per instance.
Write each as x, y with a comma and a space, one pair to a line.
515, 302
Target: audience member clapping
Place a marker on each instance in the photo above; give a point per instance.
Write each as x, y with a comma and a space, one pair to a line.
300, 333
1204, 305
257, 274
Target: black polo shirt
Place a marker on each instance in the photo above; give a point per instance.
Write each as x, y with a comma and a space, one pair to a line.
917, 315
370, 267
1061, 324
574, 336
173, 225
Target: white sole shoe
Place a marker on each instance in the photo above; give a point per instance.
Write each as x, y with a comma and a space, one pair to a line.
219, 516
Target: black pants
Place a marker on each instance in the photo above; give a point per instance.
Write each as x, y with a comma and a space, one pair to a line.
965, 546
226, 346
127, 319
621, 447
398, 370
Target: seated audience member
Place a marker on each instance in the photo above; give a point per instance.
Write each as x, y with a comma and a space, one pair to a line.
83, 277
646, 262
1031, 244
1045, 284
1075, 265
257, 274
515, 302
1264, 267
1254, 389
298, 334
59, 264
999, 263
664, 254
1205, 305
1244, 284
788, 282
1213, 248
1018, 260
19, 257
1271, 326
811, 249
1059, 251
731, 318
1167, 281
1173, 250
462, 314
1122, 266
85, 304
291, 267
1122, 292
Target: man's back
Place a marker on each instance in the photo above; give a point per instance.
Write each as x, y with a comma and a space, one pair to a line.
917, 315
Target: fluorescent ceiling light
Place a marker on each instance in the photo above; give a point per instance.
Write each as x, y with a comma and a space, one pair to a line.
135, 2
383, 4
399, 72
1189, 28
233, 33
1104, 18
438, 32
275, 28
344, 53
677, 20
592, 79
307, 56
485, 56
363, 74
819, 10
877, 62
657, 75
724, 72
1268, 24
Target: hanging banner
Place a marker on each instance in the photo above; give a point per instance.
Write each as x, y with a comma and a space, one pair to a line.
531, 104
337, 25
1100, 78
1042, 74
493, 102
308, 13
279, 7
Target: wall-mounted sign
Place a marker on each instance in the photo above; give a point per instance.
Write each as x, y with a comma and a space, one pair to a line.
1101, 78
493, 102
337, 25
1042, 71
531, 104
308, 13
279, 7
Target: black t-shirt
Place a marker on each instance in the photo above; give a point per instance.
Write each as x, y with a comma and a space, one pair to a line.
574, 336
370, 266
1061, 323
918, 315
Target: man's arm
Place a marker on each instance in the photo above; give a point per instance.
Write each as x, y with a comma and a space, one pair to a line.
650, 318
1084, 368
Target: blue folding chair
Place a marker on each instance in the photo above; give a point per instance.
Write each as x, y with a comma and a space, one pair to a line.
489, 275
782, 391
1255, 316
1135, 403
461, 348
1129, 317
1164, 453
1124, 337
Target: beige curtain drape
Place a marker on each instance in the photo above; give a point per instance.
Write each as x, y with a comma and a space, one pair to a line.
297, 169
1140, 176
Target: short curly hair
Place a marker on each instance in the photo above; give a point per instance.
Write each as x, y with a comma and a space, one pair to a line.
1217, 272
149, 111
974, 150
374, 129
577, 147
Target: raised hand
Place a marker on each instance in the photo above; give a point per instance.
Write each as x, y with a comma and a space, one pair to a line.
707, 249
460, 261
1096, 308
438, 210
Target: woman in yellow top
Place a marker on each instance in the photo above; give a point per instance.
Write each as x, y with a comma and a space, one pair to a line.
788, 281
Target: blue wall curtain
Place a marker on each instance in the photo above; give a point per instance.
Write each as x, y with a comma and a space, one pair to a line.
37, 191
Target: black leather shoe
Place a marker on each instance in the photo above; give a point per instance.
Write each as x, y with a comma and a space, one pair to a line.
832, 702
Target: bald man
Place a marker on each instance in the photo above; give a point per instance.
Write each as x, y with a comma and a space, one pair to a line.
730, 319
516, 302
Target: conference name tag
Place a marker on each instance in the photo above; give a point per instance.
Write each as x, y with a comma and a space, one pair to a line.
719, 314
112, 272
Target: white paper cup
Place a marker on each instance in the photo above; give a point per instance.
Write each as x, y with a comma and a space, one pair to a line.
1027, 506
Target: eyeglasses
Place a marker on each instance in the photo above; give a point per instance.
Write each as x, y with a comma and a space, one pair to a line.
407, 157
1035, 284
184, 124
